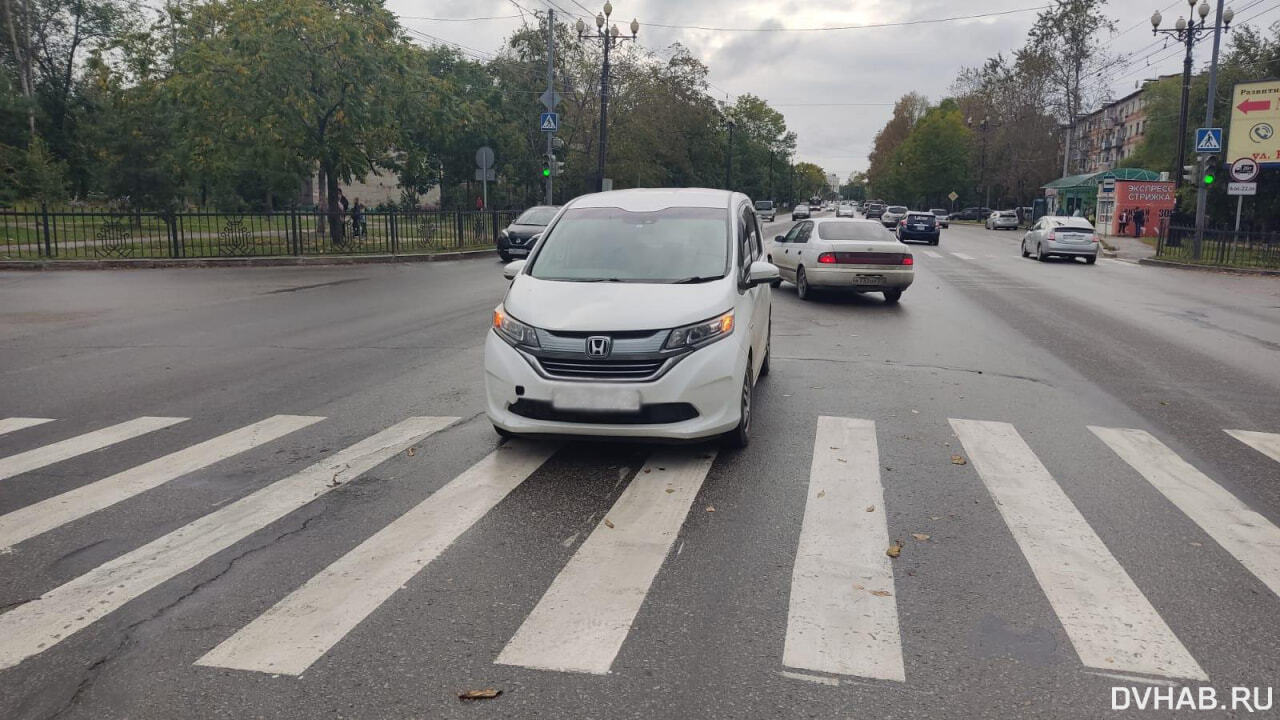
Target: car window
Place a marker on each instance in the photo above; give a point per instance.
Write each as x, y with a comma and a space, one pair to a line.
611, 244
764, 205
805, 230
863, 231
897, 209
744, 242
757, 251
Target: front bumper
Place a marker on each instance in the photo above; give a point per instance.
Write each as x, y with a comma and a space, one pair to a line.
518, 247
709, 379
870, 278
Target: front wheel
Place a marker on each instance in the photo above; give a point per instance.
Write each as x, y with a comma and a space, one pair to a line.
504, 255
891, 297
1023, 248
740, 436
802, 284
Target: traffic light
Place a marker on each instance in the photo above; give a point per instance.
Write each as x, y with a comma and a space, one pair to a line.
1190, 173
557, 168
1210, 172
546, 167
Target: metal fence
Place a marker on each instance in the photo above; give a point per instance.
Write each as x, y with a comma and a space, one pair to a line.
1226, 248
99, 234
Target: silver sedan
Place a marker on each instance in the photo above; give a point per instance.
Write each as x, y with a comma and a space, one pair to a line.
1069, 237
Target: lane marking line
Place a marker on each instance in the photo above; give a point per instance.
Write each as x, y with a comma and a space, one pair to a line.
962, 256
8, 425
843, 614
301, 628
34, 627
81, 444
1266, 443
579, 625
1109, 621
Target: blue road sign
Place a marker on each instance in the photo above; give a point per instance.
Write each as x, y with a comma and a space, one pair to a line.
549, 121
1208, 141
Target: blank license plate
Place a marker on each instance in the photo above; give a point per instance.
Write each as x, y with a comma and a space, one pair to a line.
596, 399
868, 279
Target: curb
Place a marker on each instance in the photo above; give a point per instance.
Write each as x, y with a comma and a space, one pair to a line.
272, 261
1210, 268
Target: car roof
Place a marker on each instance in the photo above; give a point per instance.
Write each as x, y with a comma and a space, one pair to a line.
650, 199
864, 221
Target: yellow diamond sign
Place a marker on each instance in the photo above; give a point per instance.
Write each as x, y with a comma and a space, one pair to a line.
1255, 122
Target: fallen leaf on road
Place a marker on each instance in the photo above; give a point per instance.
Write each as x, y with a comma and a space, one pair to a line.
880, 593
822, 493
871, 508
411, 451
856, 586
485, 694
842, 460
670, 490
934, 517
648, 470
958, 460
711, 508
608, 523
895, 549
915, 412
1195, 544
920, 536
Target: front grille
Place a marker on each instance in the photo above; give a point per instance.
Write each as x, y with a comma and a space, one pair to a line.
601, 369
652, 414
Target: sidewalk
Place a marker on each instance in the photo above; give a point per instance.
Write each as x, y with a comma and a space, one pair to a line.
1129, 248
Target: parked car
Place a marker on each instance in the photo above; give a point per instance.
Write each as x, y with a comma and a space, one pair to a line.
641, 313
892, 215
766, 210
943, 219
840, 253
1002, 220
519, 237
846, 210
1069, 237
873, 211
800, 211
919, 226
972, 213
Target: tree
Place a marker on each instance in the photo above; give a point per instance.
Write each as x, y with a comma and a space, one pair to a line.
885, 168
935, 156
810, 180
1067, 38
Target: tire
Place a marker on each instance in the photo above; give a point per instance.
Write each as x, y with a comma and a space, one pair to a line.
1091, 260
504, 256
891, 297
1040, 253
803, 291
768, 349
740, 436
1023, 248
936, 241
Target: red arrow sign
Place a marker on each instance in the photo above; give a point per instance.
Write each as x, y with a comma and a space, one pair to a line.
1248, 105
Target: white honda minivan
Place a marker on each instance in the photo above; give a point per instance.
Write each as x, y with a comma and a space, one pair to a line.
641, 313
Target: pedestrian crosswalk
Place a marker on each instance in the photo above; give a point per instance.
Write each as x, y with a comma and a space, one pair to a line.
843, 614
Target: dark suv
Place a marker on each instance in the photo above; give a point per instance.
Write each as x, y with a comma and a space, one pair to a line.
919, 226
972, 213
873, 211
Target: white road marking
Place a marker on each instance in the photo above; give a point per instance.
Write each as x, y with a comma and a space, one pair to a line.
58, 510
581, 622
962, 256
843, 616
1134, 678
81, 444
931, 253
1109, 621
36, 626
302, 627
1266, 443
1119, 263
834, 682
8, 425
1250, 537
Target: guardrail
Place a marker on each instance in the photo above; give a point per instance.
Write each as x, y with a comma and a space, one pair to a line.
99, 234
1225, 248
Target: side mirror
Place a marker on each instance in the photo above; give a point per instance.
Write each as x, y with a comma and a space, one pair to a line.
779, 238
762, 272
512, 269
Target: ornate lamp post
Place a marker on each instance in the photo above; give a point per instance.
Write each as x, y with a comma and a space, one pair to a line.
608, 38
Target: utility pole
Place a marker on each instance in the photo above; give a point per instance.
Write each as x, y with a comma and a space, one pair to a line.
551, 89
1202, 191
728, 167
608, 37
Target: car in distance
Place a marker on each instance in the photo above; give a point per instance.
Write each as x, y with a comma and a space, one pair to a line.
800, 211
517, 239
641, 313
846, 209
943, 219
873, 211
972, 213
1069, 237
919, 226
766, 210
847, 254
1002, 220
893, 215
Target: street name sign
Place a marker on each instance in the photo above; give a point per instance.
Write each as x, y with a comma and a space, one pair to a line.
1242, 188
1255, 120
549, 122
1208, 141
1244, 170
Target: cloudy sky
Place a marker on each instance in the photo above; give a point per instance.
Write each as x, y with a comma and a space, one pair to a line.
836, 87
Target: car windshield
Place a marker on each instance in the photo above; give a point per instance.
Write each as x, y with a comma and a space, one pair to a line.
897, 209
616, 245
764, 205
1067, 223
537, 216
919, 216
869, 231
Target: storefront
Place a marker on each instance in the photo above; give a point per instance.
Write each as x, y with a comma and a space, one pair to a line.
1120, 201
1098, 196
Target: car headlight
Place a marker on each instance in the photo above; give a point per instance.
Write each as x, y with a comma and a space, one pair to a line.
502, 233
512, 330
701, 333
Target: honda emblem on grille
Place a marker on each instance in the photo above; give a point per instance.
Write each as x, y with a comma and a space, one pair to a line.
599, 346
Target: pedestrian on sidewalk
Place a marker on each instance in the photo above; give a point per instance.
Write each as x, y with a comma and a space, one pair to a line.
1139, 217
357, 219
1123, 220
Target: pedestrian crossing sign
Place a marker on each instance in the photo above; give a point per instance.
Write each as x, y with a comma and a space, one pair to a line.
1208, 141
549, 121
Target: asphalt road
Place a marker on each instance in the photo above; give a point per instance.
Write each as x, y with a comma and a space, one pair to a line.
1055, 563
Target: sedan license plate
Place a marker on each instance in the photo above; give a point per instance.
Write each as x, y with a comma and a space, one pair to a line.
596, 399
919, 227
868, 279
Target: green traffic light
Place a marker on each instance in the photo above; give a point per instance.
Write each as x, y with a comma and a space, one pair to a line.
546, 172
1208, 178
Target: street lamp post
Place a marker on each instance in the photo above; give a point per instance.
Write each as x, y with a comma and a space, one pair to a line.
608, 38
982, 171
728, 164
1188, 33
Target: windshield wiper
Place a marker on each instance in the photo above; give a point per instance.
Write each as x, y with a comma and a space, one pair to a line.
695, 279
